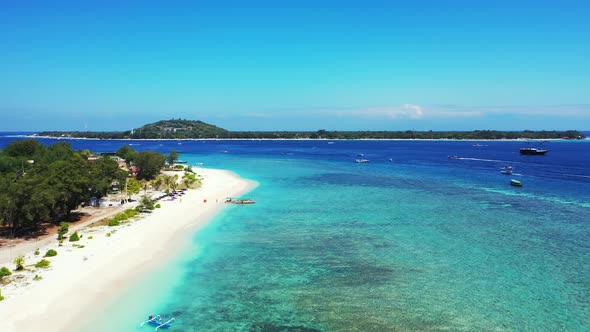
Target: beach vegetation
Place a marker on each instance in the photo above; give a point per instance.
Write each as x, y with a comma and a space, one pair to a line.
19, 261
1, 297
157, 206
4, 272
181, 129
37, 277
62, 230
37, 252
90, 237
123, 216
149, 163
158, 182
79, 246
190, 180
42, 263
108, 234
74, 237
133, 186
172, 157
51, 253
44, 184
146, 203
126, 152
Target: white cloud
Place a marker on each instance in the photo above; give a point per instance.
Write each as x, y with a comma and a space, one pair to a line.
419, 112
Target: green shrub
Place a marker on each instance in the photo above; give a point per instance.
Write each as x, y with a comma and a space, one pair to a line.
62, 230
75, 245
37, 277
108, 234
37, 252
90, 237
158, 206
51, 253
74, 237
20, 263
114, 222
4, 272
43, 263
1, 297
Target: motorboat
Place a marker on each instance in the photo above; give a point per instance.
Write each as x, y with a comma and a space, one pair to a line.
533, 151
361, 161
515, 183
231, 200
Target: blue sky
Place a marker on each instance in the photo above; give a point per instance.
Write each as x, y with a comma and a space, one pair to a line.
295, 65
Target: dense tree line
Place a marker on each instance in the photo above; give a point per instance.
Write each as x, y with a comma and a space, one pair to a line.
40, 184
181, 129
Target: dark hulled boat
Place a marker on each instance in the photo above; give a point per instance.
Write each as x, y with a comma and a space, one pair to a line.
532, 151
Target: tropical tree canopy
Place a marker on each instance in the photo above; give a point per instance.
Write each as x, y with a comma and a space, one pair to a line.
42, 184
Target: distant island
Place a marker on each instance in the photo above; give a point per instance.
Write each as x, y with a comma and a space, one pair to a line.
191, 129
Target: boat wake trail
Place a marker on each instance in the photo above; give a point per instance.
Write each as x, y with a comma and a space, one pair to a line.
489, 160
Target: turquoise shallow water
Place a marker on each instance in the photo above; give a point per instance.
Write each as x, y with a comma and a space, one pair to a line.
418, 243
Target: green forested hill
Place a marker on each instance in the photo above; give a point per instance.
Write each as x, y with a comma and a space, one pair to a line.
179, 129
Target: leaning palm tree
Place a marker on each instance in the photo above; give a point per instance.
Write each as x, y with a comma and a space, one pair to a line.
168, 181
158, 182
174, 184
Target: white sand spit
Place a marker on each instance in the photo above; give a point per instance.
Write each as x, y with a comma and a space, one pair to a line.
81, 279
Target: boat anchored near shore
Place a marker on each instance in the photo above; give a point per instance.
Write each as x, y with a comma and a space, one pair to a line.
158, 322
231, 200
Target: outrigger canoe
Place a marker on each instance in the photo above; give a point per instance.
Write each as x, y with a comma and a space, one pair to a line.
158, 322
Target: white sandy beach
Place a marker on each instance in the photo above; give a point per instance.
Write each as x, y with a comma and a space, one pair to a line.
80, 281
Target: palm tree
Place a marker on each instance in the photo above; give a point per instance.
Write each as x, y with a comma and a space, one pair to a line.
158, 182
168, 181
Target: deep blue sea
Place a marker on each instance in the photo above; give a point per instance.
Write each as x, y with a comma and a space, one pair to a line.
411, 241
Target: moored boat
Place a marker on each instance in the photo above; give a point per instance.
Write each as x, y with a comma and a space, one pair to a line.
231, 200
361, 161
158, 322
515, 183
532, 151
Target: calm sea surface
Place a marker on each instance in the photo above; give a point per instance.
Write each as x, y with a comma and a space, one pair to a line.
411, 240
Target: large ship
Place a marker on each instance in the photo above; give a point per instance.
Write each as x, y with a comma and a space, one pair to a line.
533, 151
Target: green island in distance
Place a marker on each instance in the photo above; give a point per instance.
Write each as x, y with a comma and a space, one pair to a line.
191, 129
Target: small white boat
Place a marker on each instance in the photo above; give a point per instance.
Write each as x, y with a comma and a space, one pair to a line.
361, 161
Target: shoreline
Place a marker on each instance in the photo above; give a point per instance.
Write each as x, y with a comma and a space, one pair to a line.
311, 139
82, 281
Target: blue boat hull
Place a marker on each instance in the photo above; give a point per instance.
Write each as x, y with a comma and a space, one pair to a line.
154, 323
